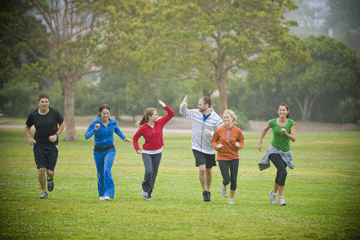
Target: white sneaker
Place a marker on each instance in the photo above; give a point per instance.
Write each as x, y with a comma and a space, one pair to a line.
272, 197
231, 201
144, 194
281, 201
102, 198
107, 198
223, 190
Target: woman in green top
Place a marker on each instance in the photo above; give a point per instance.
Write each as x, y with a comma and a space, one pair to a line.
279, 151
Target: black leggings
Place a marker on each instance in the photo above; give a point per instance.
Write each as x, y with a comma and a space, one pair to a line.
281, 168
224, 168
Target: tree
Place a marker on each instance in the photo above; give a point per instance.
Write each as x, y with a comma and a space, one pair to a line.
15, 90
334, 68
207, 39
77, 40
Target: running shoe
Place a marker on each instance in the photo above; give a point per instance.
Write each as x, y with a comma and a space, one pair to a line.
144, 194
272, 197
107, 198
50, 185
223, 190
148, 198
44, 195
231, 201
206, 196
102, 198
281, 201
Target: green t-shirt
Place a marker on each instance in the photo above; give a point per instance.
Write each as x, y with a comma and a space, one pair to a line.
280, 141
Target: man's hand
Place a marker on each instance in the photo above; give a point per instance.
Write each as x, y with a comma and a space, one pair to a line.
207, 132
185, 100
53, 138
32, 141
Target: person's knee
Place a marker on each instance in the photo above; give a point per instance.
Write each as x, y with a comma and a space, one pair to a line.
42, 170
226, 181
202, 169
149, 172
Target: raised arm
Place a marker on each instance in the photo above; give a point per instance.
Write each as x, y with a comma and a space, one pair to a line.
262, 136
169, 115
183, 109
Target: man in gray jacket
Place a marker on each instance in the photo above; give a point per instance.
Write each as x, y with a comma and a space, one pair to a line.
204, 122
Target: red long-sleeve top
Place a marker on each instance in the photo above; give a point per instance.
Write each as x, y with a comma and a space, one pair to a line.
153, 135
227, 137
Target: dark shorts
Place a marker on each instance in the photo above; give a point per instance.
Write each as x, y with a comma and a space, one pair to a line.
203, 158
45, 156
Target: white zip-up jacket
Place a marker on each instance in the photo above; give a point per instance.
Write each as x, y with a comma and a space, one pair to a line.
199, 140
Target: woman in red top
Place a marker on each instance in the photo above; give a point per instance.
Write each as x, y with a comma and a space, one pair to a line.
151, 128
227, 141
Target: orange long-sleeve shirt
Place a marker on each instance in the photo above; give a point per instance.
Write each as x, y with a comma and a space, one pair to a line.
227, 137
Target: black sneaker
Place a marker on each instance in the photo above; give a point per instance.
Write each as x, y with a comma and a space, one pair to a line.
44, 195
206, 196
50, 185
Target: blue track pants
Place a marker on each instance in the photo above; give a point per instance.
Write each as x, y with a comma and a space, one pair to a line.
104, 162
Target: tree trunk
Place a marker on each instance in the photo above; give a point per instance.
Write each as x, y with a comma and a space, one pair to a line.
305, 107
223, 93
69, 105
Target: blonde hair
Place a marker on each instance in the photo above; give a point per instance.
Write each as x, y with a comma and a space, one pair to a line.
232, 114
148, 113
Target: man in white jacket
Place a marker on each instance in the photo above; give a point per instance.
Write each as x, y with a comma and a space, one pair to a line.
204, 122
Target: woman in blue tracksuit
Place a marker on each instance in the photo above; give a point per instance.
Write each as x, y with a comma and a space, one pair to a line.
103, 127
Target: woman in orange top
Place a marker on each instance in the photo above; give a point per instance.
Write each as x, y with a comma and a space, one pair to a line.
227, 141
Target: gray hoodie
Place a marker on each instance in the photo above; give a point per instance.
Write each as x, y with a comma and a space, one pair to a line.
199, 140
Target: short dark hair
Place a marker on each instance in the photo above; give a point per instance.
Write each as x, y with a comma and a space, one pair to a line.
43, 95
206, 100
102, 107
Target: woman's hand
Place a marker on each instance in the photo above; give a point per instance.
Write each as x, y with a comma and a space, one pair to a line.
96, 127
139, 152
260, 147
219, 146
283, 131
127, 140
237, 145
161, 103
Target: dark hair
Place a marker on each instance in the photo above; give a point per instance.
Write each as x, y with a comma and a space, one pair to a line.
43, 95
102, 107
287, 108
148, 113
207, 100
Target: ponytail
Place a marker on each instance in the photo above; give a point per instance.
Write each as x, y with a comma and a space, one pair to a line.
148, 113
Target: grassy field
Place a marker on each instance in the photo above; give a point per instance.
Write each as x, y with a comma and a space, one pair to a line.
322, 193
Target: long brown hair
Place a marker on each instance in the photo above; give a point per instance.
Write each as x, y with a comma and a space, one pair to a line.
287, 108
148, 113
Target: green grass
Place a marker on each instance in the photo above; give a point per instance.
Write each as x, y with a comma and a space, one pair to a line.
322, 193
